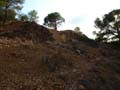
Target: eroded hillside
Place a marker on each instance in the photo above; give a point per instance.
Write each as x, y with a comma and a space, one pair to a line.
35, 58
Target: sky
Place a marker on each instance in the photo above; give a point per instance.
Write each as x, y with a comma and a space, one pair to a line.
77, 13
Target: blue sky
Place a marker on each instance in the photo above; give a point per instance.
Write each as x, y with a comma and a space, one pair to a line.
80, 13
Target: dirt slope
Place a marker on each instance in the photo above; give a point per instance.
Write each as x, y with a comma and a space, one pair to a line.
58, 62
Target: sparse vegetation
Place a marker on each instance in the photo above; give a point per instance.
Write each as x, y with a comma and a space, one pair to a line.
33, 57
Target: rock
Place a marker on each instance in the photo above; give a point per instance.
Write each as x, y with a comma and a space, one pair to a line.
80, 51
86, 83
52, 66
81, 87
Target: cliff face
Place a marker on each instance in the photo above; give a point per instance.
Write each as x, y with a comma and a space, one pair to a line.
35, 58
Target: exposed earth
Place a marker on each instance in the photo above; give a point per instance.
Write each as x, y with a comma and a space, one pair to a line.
33, 57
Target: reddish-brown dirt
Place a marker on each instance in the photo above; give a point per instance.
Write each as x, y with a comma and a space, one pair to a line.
54, 60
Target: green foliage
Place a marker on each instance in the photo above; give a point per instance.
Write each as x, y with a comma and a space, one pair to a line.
9, 9
13, 4
1, 14
23, 17
32, 16
11, 15
53, 20
77, 29
109, 27
115, 45
2, 3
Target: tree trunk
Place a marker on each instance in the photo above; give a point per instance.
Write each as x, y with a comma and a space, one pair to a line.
55, 26
118, 32
5, 15
119, 36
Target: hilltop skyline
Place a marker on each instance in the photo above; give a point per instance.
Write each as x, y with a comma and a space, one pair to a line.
80, 13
